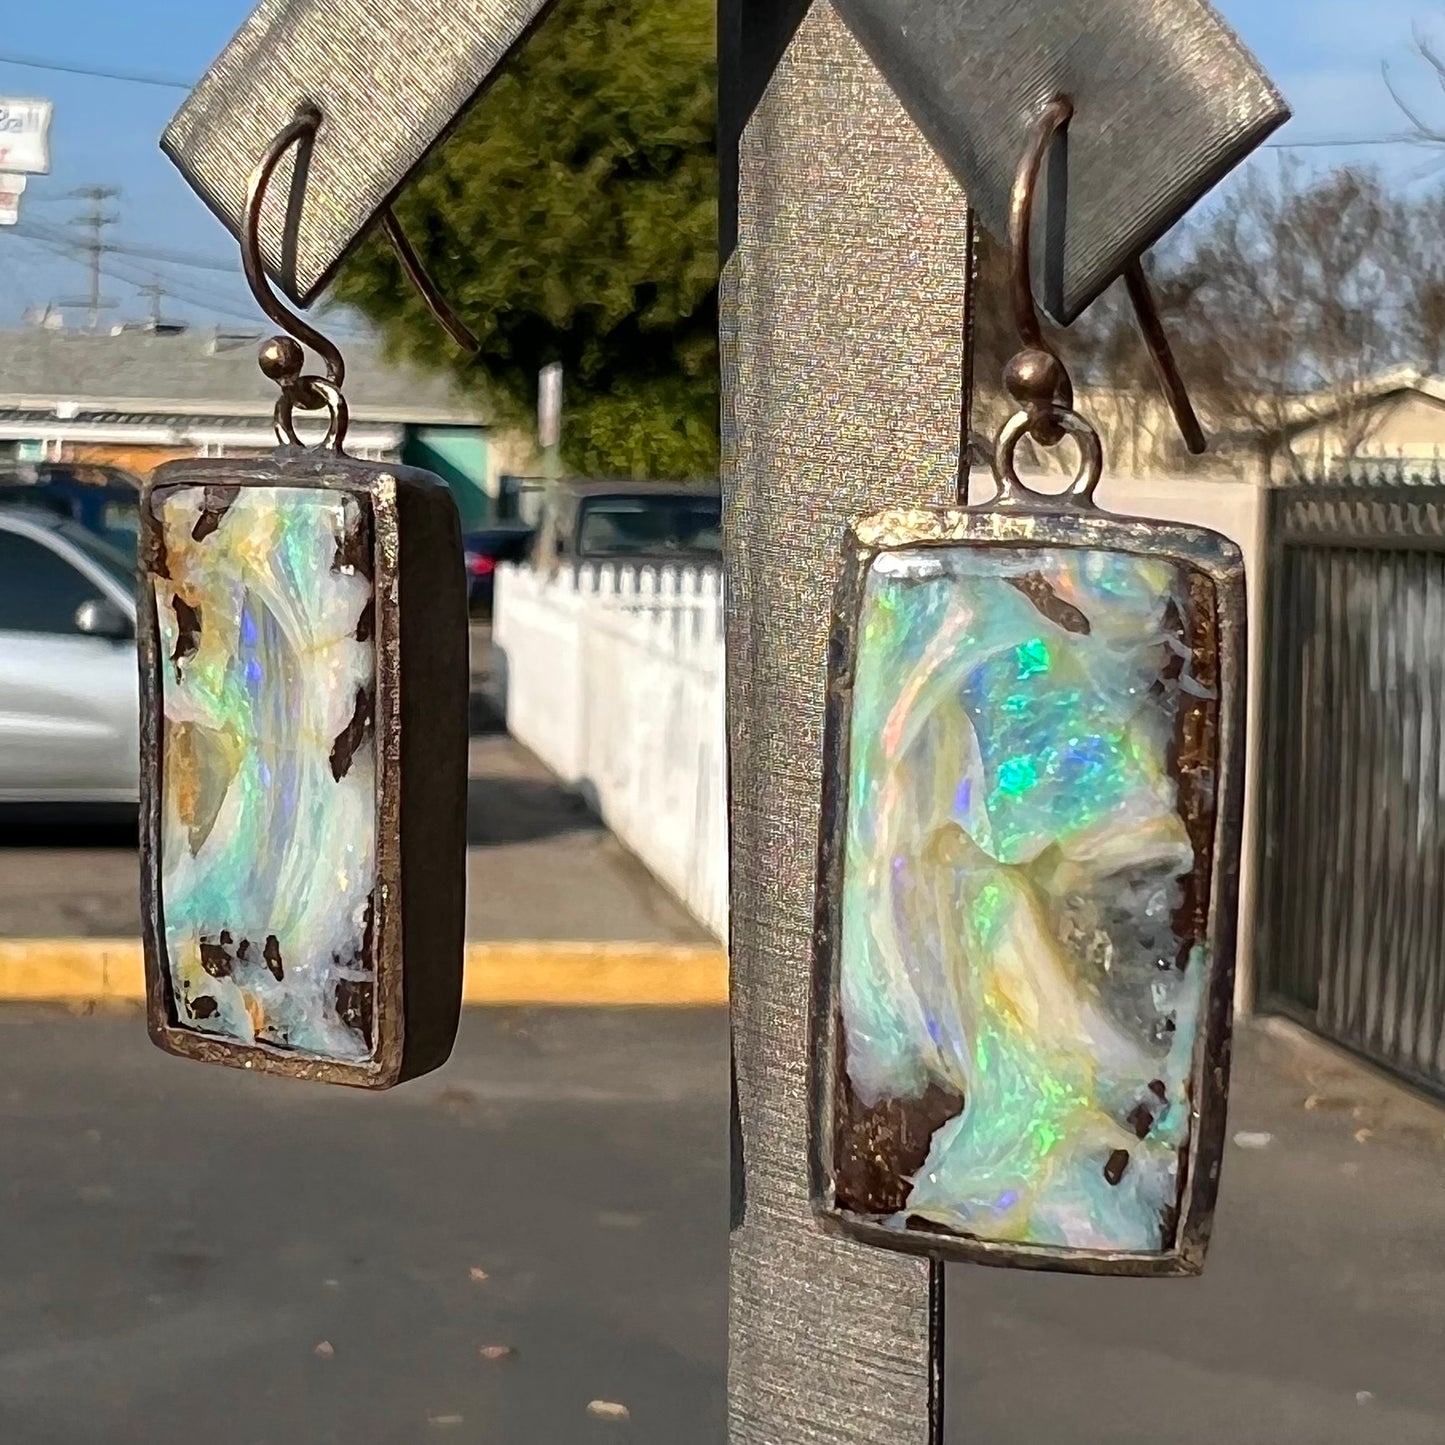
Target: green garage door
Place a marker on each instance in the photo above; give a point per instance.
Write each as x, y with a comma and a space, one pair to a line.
458, 455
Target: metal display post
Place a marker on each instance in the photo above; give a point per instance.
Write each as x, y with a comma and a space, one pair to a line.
845, 290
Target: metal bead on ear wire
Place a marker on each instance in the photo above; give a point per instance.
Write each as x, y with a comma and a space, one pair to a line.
281, 359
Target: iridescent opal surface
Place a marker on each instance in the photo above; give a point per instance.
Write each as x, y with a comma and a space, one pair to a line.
1023, 955
268, 805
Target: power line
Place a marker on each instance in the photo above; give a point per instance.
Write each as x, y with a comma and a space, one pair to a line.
132, 77
93, 223
59, 241
194, 259
61, 244
189, 293
1325, 144
227, 307
204, 302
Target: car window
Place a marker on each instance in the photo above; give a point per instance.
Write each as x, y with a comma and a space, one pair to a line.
515, 548
119, 565
39, 590
616, 526
120, 523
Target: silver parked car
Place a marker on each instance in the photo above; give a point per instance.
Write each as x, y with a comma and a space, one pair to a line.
69, 714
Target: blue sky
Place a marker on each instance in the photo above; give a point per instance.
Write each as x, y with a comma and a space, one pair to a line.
1325, 55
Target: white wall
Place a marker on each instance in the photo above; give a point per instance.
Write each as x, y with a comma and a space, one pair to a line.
614, 678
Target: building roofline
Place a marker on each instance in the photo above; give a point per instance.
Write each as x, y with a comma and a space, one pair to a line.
71, 407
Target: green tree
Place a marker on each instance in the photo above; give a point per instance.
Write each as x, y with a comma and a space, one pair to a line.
572, 218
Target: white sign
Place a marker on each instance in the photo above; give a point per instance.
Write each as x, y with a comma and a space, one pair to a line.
10, 189
25, 136
549, 406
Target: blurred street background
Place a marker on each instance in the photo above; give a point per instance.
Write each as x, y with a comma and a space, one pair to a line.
190, 1254
529, 1247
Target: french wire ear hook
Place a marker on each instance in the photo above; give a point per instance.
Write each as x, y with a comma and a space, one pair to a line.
1052, 121
436, 303
282, 359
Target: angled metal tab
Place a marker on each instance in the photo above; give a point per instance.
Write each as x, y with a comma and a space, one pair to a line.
1167, 101
390, 78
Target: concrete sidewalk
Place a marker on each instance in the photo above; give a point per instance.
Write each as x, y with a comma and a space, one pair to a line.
539, 867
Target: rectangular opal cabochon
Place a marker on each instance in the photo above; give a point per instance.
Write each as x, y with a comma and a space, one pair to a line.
1021, 962
268, 798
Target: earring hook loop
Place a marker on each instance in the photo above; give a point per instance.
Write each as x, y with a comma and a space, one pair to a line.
281, 358
1052, 121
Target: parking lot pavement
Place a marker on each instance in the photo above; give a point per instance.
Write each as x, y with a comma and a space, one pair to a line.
188, 1254
539, 866
1319, 1320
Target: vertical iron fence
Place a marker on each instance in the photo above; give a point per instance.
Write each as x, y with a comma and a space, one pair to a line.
1352, 896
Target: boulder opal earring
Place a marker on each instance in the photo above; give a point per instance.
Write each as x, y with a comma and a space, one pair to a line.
1029, 865
304, 684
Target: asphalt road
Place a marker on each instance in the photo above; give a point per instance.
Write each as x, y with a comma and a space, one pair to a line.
190, 1255
193, 1255
1320, 1318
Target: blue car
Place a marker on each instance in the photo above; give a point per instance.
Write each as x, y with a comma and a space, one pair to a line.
484, 551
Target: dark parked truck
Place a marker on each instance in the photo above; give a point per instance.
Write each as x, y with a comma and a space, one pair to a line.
631, 522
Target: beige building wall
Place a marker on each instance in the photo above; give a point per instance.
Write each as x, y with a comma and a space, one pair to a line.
1408, 424
1140, 440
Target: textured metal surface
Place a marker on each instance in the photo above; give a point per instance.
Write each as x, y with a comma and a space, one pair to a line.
843, 312
1351, 898
389, 77
1167, 101
1022, 518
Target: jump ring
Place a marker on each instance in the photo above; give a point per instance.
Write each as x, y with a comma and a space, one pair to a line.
338, 415
1069, 423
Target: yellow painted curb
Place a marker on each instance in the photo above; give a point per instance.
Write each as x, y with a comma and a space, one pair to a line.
94, 972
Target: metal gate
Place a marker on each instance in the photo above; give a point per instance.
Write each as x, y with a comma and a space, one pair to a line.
1352, 887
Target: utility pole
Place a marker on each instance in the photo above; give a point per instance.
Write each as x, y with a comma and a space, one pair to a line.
155, 292
92, 224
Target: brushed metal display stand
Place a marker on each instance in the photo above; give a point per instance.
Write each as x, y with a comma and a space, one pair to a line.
845, 290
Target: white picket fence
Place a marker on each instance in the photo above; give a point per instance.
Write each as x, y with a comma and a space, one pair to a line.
613, 676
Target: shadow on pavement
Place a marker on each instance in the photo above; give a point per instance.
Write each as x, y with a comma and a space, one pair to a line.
69, 825
483, 717
502, 810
